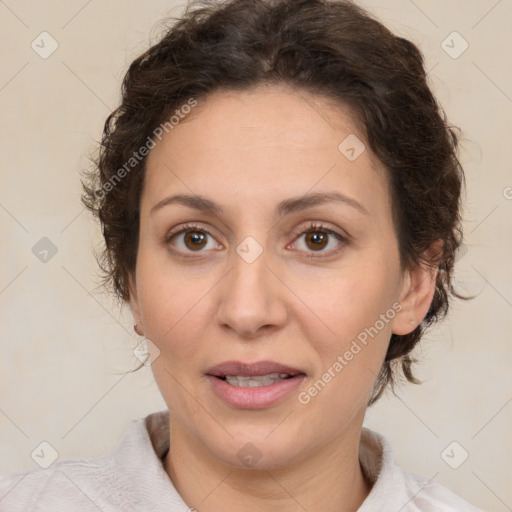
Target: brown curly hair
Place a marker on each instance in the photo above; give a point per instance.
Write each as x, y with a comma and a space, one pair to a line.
325, 47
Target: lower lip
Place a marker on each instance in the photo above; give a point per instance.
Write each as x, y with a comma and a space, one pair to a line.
254, 398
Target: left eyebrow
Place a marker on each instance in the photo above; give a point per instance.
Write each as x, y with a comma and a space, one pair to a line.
310, 200
285, 207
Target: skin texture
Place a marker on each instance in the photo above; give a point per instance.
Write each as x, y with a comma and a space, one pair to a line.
248, 151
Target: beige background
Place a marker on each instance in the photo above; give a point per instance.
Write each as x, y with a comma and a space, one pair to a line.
64, 345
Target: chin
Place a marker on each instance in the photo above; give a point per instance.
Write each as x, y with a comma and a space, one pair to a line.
258, 448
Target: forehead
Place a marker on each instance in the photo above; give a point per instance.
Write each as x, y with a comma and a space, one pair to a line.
299, 118
248, 146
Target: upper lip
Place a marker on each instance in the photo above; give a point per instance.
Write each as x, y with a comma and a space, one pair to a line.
248, 369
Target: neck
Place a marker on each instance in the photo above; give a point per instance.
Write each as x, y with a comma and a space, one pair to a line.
330, 479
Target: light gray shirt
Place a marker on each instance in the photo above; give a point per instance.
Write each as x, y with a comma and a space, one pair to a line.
132, 478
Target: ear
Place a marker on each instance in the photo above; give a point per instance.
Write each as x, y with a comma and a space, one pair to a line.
417, 292
133, 301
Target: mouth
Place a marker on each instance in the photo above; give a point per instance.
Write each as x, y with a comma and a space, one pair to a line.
255, 385
247, 375
255, 381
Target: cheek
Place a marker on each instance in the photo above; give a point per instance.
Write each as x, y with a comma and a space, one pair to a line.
351, 300
174, 305
349, 359
357, 307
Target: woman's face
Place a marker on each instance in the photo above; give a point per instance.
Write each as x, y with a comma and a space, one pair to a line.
246, 291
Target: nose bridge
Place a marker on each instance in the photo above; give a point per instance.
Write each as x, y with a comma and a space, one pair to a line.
250, 266
250, 298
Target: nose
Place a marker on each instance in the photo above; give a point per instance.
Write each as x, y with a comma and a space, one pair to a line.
251, 298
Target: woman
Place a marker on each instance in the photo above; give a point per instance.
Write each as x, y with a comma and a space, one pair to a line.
280, 199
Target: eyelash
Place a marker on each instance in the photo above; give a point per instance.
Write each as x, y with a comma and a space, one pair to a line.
320, 228
313, 228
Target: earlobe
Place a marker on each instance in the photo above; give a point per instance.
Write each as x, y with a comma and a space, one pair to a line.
417, 294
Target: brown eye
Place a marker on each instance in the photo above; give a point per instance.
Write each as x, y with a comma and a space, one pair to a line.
191, 239
195, 239
317, 238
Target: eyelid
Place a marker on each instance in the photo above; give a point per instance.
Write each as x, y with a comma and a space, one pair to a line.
315, 227
320, 226
188, 226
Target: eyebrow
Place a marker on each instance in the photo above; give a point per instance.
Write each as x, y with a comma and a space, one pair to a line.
285, 207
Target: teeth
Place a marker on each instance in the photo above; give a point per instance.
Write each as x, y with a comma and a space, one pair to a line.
255, 381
